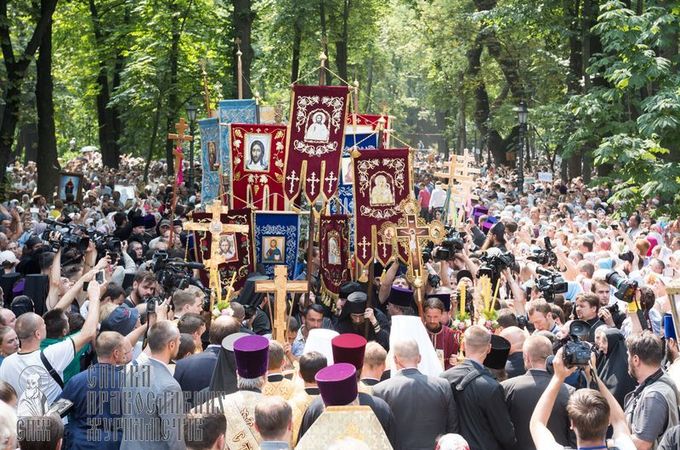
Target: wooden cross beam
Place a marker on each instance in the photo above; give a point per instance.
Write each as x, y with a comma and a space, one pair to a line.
216, 228
280, 286
180, 138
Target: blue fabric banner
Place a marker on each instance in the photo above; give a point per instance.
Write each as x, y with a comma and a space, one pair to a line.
276, 240
210, 143
232, 111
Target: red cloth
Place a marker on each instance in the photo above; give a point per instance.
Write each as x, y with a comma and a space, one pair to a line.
447, 340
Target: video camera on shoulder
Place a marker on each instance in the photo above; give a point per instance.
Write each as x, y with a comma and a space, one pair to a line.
575, 352
545, 257
61, 235
452, 244
176, 274
492, 263
550, 283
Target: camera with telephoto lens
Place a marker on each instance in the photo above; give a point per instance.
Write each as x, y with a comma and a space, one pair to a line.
68, 236
176, 274
546, 257
452, 244
106, 244
625, 289
493, 263
550, 283
575, 352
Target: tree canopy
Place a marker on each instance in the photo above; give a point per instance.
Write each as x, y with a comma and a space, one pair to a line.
600, 78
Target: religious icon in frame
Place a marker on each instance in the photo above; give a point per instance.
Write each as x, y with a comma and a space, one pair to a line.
274, 249
70, 187
257, 152
317, 126
333, 248
382, 193
228, 250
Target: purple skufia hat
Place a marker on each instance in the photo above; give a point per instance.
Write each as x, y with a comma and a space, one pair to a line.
337, 384
252, 356
400, 296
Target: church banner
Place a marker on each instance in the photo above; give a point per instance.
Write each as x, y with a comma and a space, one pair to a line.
315, 141
334, 253
277, 235
258, 157
368, 124
236, 250
232, 111
210, 163
382, 181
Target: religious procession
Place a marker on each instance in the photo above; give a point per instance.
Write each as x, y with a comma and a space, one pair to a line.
479, 253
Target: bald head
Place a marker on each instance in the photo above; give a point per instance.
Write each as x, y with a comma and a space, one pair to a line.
222, 327
536, 350
27, 325
477, 340
406, 353
516, 337
106, 343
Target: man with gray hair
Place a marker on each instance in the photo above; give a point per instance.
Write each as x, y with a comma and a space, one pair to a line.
153, 421
423, 406
486, 423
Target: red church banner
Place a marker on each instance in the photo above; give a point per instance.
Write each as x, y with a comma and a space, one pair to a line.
382, 183
334, 252
315, 141
236, 249
258, 155
368, 124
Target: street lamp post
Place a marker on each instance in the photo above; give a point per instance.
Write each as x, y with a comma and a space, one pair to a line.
191, 114
522, 115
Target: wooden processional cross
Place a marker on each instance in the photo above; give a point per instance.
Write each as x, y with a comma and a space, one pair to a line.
280, 286
179, 138
460, 183
215, 227
413, 232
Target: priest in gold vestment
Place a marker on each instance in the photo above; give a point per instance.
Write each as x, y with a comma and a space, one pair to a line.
277, 384
239, 408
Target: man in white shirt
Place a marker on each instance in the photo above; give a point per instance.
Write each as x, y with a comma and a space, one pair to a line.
49, 363
437, 198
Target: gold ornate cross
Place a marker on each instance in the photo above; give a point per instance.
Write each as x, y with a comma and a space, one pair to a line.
216, 228
280, 286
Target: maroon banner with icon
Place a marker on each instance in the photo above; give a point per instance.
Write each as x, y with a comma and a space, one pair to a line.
236, 249
382, 181
258, 157
334, 252
315, 141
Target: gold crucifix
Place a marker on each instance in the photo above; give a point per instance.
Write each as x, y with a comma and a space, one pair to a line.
280, 286
413, 232
216, 228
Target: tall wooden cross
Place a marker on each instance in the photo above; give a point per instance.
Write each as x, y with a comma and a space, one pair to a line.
413, 231
280, 286
179, 138
215, 227
461, 181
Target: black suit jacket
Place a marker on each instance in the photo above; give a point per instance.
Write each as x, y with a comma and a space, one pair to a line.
423, 408
521, 396
193, 373
484, 419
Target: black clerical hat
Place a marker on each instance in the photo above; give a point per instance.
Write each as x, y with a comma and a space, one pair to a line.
500, 349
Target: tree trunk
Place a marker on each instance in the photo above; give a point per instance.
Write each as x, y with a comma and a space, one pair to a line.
462, 132
442, 141
16, 67
242, 21
369, 83
105, 117
173, 99
324, 38
341, 53
47, 163
297, 43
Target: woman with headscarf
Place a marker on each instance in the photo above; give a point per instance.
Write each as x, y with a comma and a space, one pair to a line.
612, 362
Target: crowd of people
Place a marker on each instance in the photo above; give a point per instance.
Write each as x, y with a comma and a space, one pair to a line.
548, 312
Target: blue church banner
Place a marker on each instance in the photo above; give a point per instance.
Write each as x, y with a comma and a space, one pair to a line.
210, 159
277, 235
232, 111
